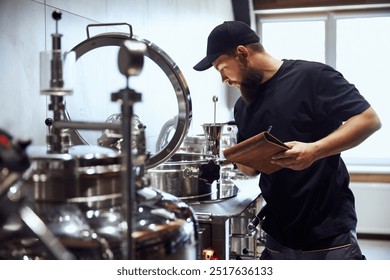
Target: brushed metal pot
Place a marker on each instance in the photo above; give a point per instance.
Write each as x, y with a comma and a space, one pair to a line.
187, 176
88, 175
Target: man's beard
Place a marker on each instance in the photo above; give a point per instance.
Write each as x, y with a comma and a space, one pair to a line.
251, 82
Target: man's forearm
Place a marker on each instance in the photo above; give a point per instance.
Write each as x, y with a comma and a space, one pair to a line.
353, 132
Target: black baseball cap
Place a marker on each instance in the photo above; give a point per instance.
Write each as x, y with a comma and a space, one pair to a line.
224, 37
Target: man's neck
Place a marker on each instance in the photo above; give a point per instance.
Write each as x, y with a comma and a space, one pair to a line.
269, 66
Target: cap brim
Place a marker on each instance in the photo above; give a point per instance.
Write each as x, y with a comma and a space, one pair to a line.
206, 62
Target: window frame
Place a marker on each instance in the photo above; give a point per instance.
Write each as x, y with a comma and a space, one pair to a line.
329, 14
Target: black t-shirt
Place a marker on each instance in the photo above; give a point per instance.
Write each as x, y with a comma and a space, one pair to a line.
304, 101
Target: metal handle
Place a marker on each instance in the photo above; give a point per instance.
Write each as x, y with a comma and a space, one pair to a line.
110, 24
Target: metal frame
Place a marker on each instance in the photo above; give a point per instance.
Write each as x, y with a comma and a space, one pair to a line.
170, 69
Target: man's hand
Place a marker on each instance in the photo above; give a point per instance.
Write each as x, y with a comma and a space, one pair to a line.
298, 157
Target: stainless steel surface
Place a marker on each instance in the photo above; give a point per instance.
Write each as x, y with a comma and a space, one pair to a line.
194, 144
86, 125
248, 191
213, 134
84, 216
130, 61
192, 177
216, 219
114, 139
215, 100
54, 65
190, 144
58, 139
243, 240
179, 176
165, 228
166, 133
88, 175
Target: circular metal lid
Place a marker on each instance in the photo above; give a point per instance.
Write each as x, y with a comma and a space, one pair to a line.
170, 69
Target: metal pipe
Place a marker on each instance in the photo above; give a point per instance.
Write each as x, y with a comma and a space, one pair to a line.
128, 182
130, 62
86, 125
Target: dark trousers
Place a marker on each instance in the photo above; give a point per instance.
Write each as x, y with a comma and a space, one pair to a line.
335, 250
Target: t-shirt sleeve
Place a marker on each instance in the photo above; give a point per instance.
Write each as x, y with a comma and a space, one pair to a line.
336, 98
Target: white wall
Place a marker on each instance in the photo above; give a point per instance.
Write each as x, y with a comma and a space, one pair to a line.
179, 27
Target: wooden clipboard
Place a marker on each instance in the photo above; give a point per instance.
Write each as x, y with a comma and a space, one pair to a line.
256, 152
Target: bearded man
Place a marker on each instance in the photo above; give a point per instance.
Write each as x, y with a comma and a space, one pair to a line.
315, 111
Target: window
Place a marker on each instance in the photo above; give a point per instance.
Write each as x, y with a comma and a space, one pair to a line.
363, 57
355, 43
295, 39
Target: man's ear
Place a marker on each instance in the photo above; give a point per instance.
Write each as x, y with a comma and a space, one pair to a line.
242, 53
242, 50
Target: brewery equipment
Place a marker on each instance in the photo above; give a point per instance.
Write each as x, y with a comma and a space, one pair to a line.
223, 224
223, 209
116, 200
193, 176
213, 134
91, 202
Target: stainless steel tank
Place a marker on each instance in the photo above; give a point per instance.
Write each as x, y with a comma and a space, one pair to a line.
77, 196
